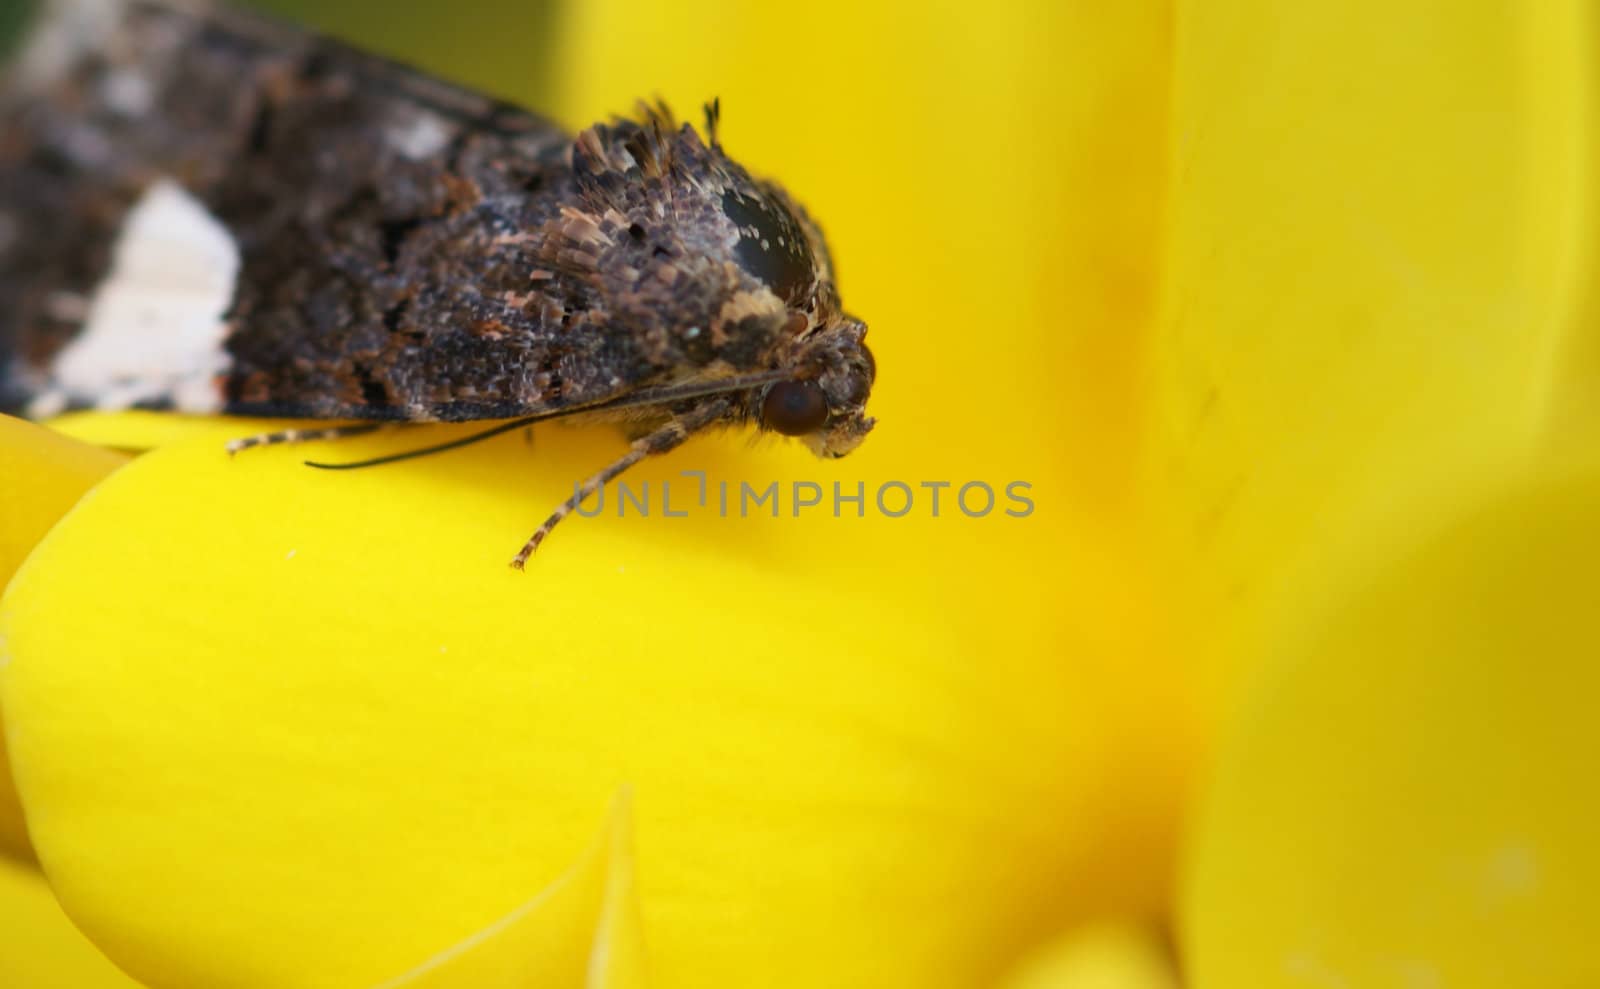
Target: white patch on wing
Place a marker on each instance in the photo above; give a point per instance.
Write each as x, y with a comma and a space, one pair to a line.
154, 329
421, 135
128, 92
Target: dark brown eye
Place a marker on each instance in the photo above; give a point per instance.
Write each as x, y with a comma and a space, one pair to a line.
857, 386
795, 408
856, 389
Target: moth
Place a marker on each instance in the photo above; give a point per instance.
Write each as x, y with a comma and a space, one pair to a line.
207, 211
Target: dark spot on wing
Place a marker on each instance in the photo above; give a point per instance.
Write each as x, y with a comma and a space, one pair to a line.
393, 316
261, 127
394, 234
772, 247
373, 392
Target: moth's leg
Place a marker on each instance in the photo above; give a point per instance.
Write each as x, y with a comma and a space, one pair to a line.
305, 435
660, 441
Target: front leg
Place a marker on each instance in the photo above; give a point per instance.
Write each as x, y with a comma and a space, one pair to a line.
305, 435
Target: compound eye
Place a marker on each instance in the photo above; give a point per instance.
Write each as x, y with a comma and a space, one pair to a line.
795, 408
858, 385
856, 389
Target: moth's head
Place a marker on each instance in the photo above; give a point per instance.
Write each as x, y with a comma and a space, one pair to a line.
781, 249
728, 269
783, 253
826, 404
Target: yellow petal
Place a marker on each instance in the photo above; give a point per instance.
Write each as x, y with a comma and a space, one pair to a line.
541, 943
1100, 956
40, 948
48, 475
347, 736
1378, 247
1408, 799
141, 430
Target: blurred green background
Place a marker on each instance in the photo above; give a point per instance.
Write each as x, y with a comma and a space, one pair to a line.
12, 17
505, 47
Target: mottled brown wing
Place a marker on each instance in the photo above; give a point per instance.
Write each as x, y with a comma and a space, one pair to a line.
376, 214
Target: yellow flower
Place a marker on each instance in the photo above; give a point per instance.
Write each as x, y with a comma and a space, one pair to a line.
42, 949
1404, 801
1280, 311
